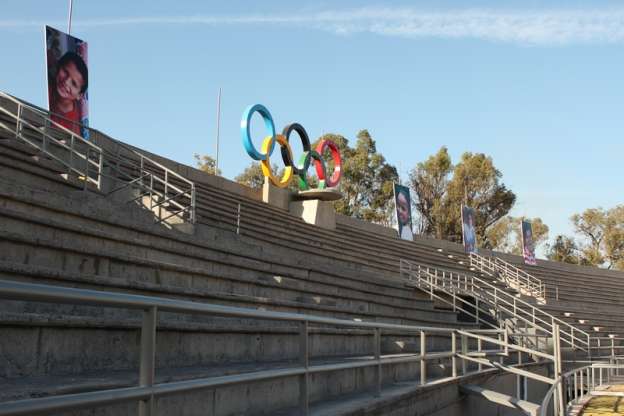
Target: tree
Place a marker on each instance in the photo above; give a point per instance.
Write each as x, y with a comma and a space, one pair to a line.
506, 234
442, 188
252, 176
366, 179
429, 180
602, 232
206, 163
564, 250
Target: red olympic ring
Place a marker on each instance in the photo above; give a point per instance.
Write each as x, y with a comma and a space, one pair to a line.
320, 171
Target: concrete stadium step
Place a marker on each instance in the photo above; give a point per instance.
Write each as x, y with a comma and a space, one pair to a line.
153, 272
341, 307
25, 153
258, 398
388, 283
53, 343
156, 265
39, 176
220, 208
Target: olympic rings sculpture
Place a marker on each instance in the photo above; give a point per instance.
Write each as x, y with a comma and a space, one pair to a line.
291, 170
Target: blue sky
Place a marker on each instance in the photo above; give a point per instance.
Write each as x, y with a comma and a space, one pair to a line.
536, 85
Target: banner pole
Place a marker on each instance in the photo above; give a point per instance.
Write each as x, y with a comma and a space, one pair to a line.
69, 17
218, 126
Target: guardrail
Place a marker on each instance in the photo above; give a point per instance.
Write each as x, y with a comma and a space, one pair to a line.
514, 276
158, 188
578, 383
147, 390
80, 157
522, 312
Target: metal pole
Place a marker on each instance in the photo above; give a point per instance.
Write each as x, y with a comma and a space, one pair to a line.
148, 358
454, 358
423, 358
238, 219
304, 379
216, 172
69, 17
378, 373
464, 350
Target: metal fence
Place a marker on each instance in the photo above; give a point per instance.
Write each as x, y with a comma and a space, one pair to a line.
161, 190
147, 390
432, 279
514, 276
580, 382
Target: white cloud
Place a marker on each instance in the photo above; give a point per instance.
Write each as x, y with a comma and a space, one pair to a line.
549, 27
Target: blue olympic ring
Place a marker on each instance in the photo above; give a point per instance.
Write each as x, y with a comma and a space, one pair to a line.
268, 124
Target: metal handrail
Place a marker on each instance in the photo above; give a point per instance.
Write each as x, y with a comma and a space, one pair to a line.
531, 281
47, 140
524, 281
476, 306
147, 390
579, 382
160, 183
518, 308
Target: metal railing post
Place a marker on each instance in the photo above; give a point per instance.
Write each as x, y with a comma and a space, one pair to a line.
378, 372
575, 395
19, 125
600, 376
423, 358
304, 361
464, 351
148, 358
193, 204
238, 218
454, 357
582, 389
100, 170
71, 154
166, 183
479, 347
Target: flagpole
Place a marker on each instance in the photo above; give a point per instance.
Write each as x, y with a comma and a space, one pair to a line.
69, 17
218, 126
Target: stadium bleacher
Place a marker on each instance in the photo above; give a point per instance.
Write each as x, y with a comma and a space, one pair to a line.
243, 253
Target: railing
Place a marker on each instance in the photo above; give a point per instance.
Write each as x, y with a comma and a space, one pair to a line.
159, 187
520, 312
613, 346
78, 156
147, 390
580, 382
164, 192
515, 277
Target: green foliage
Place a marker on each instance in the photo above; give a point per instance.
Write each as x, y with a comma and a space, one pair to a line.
366, 179
429, 180
506, 234
603, 236
252, 176
206, 163
442, 188
564, 249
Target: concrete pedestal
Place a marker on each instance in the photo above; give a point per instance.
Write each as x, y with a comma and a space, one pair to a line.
275, 196
314, 211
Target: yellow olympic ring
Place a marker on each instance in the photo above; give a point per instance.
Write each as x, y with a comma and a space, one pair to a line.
266, 163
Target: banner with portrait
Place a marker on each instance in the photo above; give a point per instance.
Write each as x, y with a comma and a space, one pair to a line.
468, 217
403, 204
528, 248
68, 80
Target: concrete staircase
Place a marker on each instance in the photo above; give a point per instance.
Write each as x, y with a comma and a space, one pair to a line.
53, 232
